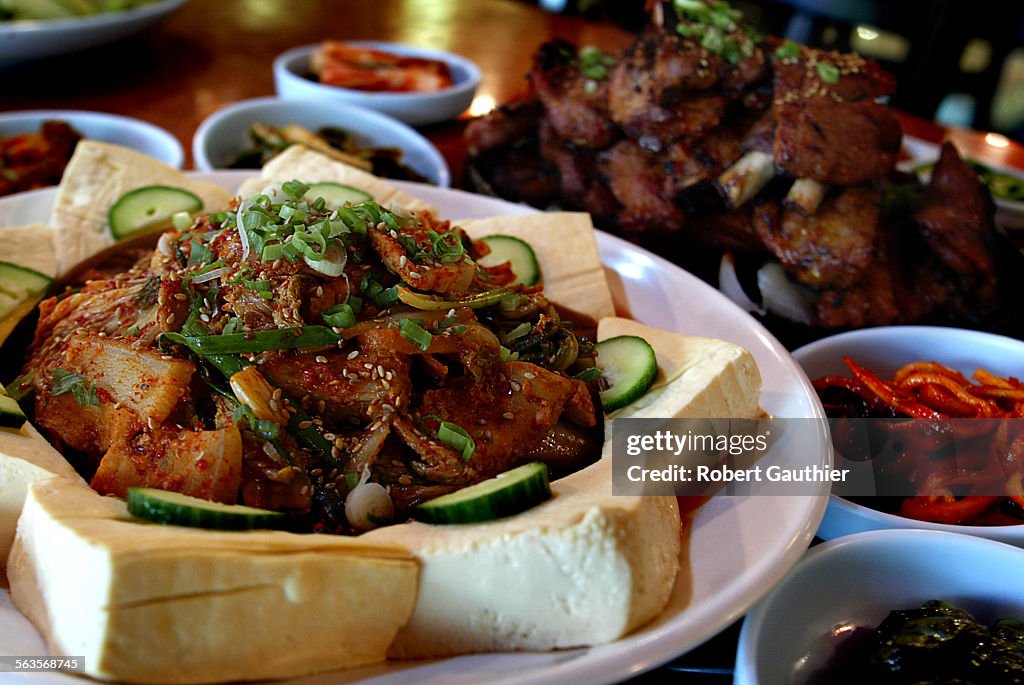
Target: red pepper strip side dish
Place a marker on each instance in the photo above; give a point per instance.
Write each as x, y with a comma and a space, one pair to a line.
929, 390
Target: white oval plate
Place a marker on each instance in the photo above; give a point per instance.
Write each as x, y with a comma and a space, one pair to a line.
25, 40
739, 546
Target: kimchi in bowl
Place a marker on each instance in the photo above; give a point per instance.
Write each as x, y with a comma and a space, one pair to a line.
294, 78
883, 351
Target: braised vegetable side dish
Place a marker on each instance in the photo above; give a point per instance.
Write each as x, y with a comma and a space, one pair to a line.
36, 160
351, 66
936, 643
334, 142
989, 454
334, 360
704, 138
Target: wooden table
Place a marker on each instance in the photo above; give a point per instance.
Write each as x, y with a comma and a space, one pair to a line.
214, 52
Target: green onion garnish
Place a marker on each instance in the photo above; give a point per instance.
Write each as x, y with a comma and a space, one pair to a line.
828, 72
339, 316
456, 437
587, 375
413, 331
21, 387
787, 50
257, 341
294, 189
181, 221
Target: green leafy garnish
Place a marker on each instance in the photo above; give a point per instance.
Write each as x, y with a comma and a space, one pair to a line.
413, 331
456, 437
788, 50
83, 390
595, 63
827, 72
339, 316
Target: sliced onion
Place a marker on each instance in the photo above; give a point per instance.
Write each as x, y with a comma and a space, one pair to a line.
332, 263
784, 297
211, 275
729, 284
368, 504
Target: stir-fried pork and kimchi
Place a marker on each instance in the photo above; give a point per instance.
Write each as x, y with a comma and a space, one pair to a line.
287, 351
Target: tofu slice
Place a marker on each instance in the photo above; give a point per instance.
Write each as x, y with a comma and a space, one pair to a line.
585, 567
566, 248
25, 457
97, 175
299, 162
148, 603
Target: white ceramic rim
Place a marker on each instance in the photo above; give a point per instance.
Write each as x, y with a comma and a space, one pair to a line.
104, 118
887, 521
439, 166
745, 671
32, 26
288, 62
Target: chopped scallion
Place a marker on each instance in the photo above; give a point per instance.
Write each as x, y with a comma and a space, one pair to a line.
456, 437
339, 316
413, 331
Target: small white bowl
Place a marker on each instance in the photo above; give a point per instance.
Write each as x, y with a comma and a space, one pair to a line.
292, 78
224, 135
108, 128
884, 350
856, 581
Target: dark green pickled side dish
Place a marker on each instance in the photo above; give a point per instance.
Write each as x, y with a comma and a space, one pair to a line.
937, 644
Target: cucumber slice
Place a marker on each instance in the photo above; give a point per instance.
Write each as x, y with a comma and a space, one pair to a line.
628, 364
11, 415
149, 207
174, 508
18, 285
504, 495
336, 194
519, 255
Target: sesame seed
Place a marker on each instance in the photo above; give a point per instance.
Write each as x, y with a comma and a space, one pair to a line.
331, 486
319, 291
516, 386
508, 415
402, 261
180, 297
321, 359
414, 274
405, 479
170, 318
277, 394
481, 422
530, 375
353, 354
305, 424
335, 452
329, 437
